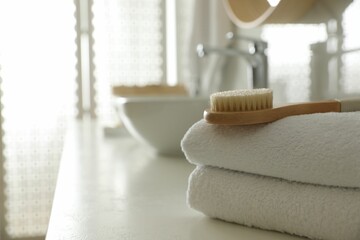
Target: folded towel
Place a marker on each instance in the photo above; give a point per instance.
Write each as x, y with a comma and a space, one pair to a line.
315, 148
314, 211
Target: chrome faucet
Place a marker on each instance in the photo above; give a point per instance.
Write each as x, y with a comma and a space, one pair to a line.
255, 55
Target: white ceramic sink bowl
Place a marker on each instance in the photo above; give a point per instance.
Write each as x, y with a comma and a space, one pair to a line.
162, 121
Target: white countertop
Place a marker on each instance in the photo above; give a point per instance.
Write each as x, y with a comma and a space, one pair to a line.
115, 188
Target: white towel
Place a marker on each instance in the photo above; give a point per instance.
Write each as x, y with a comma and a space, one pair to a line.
315, 148
314, 211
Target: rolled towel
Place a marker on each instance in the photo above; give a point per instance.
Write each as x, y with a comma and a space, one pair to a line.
314, 211
316, 148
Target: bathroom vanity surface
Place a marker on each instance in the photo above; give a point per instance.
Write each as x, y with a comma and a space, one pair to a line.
114, 188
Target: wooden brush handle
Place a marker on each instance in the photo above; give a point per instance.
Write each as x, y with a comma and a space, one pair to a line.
270, 115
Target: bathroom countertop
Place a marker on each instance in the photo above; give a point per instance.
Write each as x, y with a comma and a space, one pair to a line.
114, 188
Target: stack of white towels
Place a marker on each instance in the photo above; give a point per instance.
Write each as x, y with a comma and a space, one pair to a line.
299, 175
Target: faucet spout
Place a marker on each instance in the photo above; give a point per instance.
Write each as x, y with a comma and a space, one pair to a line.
203, 50
255, 55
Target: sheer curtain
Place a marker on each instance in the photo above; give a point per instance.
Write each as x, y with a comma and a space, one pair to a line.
59, 60
130, 44
37, 58
129, 48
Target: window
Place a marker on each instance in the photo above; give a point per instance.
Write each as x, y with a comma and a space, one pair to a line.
290, 57
37, 59
51, 52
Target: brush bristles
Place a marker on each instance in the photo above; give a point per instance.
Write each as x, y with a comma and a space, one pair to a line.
241, 100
